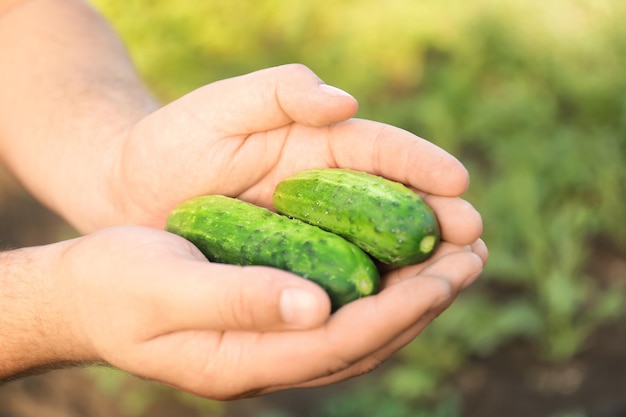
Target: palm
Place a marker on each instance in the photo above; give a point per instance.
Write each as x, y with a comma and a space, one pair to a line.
214, 329
243, 173
240, 137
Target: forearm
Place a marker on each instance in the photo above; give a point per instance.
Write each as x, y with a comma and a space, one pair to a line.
69, 93
34, 331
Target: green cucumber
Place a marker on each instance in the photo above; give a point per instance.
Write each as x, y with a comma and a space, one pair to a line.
384, 218
231, 231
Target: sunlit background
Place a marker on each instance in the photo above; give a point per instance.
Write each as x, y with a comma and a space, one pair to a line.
530, 95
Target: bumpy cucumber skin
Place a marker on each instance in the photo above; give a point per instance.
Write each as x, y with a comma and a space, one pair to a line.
384, 218
228, 230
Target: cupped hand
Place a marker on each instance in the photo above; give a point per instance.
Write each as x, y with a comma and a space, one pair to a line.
147, 301
239, 137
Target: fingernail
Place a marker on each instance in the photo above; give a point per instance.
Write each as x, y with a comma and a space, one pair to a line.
298, 307
334, 91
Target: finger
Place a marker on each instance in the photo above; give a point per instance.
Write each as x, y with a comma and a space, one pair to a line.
192, 294
357, 330
442, 255
275, 97
369, 363
459, 221
468, 267
194, 360
263, 360
397, 155
480, 248
445, 249
460, 267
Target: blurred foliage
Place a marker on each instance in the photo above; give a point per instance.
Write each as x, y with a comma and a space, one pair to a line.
529, 95
366, 400
136, 398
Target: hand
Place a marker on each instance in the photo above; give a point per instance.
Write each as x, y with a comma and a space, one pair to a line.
241, 136
148, 302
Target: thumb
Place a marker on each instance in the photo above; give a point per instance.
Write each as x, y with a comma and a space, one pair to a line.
270, 98
215, 296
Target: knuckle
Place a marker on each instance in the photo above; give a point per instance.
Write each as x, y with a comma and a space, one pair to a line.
296, 68
251, 305
240, 310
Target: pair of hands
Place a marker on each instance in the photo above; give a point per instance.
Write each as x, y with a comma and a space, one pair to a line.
148, 302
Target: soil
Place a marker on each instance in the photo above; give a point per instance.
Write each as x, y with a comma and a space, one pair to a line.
514, 382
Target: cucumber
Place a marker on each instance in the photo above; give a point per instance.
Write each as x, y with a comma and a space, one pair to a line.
386, 219
231, 231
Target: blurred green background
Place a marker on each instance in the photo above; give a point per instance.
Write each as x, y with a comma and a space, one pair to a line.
531, 96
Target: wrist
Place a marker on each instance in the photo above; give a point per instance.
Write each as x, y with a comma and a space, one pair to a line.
60, 134
36, 321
